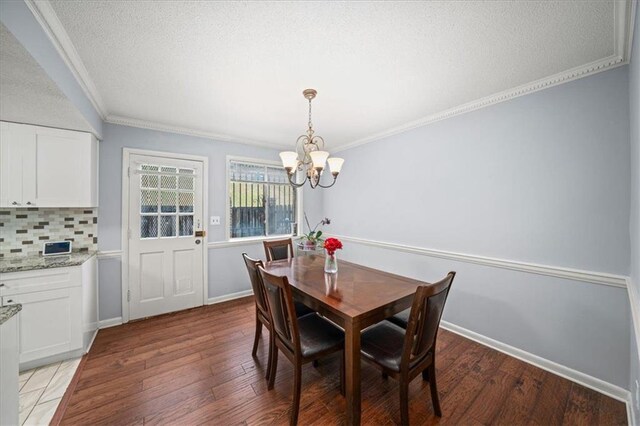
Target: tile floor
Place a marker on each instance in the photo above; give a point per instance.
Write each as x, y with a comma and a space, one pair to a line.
41, 390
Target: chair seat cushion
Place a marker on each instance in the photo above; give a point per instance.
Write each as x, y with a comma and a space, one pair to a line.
383, 344
302, 309
401, 319
317, 335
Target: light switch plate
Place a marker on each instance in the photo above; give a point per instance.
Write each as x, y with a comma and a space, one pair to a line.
215, 220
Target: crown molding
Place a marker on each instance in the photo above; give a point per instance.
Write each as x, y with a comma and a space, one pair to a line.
624, 23
150, 125
48, 20
525, 89
624, 19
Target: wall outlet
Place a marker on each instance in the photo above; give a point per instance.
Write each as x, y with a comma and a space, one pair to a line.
215, 220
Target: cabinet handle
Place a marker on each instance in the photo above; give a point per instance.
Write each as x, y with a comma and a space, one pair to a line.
2, 285
15, 203
28, 203
10, 301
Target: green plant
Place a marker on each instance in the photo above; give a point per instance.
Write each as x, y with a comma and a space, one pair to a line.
314, 235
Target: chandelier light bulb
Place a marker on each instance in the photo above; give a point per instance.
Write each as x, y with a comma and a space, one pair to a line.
319, 159
335, 164
289, 159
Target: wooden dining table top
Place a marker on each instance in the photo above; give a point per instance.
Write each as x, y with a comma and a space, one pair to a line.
354, 293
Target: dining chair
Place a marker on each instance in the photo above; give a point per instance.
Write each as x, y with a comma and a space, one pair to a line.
301, 340
279, 249
405, 353
401, 319
262, 308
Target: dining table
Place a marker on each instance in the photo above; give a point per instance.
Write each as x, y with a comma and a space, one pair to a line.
354, 298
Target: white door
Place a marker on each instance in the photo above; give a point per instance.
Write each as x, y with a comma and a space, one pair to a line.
165, 215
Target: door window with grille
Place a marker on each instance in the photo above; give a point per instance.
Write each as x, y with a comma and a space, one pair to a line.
166, 201
261, 200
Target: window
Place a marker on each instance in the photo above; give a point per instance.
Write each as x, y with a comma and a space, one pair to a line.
261, 200
166, 201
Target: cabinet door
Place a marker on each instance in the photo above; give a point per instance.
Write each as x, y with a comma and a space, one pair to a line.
49, 323
17, 165
63, 168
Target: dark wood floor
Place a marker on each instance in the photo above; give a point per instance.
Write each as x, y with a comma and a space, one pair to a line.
196, 367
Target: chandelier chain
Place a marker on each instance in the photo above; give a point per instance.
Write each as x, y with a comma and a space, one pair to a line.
310, 124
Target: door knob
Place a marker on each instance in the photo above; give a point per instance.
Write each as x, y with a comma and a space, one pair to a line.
197, 241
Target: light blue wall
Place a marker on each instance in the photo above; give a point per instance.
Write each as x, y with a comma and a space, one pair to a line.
634, 226
543, 178
226, 270
17, 17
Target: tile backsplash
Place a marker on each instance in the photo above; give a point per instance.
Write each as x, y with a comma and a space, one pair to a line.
23, 231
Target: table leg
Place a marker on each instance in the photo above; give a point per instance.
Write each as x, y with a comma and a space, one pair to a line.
352, 372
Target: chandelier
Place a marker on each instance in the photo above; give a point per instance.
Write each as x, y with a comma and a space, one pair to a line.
314, 158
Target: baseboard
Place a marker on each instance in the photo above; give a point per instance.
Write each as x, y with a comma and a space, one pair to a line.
634, 304
89, 337
111, 322
583, 379
631, 416
227, 297
24, 366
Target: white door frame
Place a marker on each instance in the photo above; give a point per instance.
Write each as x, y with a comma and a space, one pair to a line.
126, 154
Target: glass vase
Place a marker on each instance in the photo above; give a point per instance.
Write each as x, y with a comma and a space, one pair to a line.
330, 263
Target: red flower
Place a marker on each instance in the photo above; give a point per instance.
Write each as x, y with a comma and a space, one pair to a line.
331, 245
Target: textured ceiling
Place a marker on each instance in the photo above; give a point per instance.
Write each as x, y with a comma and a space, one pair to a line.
28, 95
238, 68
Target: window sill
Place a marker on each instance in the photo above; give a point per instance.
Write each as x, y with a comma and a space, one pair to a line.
232, 242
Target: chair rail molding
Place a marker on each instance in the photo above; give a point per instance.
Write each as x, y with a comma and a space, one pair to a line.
531, 268
109, 254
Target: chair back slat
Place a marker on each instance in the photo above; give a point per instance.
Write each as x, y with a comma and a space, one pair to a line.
282, 309
279, 249
424, 320
256, 284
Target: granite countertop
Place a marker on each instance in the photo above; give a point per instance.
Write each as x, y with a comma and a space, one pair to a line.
30, 263
8, 311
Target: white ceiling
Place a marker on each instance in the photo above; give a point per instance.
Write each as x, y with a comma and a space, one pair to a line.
237, 69
28, 95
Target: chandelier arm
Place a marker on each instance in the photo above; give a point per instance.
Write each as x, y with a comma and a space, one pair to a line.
330, 185
295, 184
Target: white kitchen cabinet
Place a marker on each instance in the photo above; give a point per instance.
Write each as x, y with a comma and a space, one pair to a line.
45, 167
49, 322
59, 311
9, 372
17, 165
